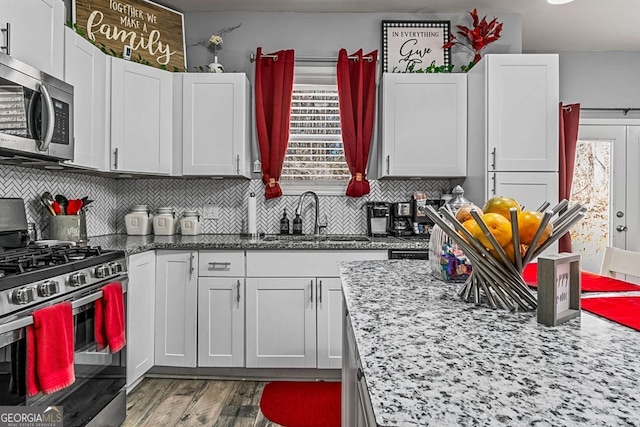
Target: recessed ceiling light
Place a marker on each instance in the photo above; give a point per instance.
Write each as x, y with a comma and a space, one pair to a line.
559, 1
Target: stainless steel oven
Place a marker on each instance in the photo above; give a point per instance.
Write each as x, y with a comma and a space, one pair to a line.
36, 113
97, 397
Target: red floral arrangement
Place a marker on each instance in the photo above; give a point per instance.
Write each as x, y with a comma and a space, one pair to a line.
478, 37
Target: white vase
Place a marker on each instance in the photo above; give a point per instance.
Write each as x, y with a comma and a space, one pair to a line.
215, 66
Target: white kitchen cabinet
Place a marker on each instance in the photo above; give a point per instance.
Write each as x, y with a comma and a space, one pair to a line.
424, 125
281, 323
85, 68
140, 315
141, 118
35, 33
356, 404
293, 310
513, 124
176, 307
221, 308
216, 124
329, 308
532, 188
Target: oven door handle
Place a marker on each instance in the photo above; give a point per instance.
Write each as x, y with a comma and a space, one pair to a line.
28, 320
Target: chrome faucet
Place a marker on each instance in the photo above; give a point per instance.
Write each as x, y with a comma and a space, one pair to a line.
316, 225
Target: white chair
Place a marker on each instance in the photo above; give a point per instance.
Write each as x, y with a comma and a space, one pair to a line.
620, 261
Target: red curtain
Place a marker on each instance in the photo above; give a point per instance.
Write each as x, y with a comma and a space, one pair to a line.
274, 86
356, 96
569, 121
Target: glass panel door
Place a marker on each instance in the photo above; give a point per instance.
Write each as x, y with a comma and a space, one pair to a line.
599, 183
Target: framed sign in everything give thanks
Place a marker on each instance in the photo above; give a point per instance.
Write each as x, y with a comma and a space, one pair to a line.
151, 33
558, 288
414, 45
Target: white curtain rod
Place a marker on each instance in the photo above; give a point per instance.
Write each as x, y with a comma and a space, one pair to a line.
625, 111
252, 58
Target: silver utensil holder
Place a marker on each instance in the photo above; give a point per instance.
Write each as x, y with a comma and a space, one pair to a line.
68, 227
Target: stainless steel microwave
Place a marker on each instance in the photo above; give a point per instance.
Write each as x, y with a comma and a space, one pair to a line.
36, 113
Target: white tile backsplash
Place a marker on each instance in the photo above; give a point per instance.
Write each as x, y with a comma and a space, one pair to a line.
114, 197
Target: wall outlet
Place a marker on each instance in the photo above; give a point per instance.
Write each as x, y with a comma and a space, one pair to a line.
257, 166
211, 211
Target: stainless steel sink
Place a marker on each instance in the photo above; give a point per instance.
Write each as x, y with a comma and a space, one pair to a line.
313, 238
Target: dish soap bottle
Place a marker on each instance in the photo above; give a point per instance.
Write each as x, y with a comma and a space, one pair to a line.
284, 223
297, 224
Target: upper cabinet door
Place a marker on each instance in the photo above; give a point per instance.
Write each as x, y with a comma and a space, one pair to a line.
86, 69
141, 118
424, 125
215, 119
522, 112
36, 33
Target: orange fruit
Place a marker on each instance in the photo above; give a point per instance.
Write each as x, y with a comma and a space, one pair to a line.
498, 225
464, 213
528, 224
472, 227
508, 249
501, 205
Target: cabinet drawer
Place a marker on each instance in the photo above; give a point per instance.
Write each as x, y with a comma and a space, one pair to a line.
220, 263
314, 263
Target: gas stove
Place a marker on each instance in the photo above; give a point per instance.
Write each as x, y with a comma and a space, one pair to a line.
33, 274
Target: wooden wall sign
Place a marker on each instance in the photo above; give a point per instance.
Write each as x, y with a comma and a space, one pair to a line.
558, 288
153, 32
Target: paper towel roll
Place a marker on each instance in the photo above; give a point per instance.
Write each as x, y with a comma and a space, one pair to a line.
251, 214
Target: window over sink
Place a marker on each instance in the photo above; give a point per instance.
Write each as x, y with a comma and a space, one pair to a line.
315, 155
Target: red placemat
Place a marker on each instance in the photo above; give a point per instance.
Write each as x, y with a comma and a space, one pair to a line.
623, 310
590, 282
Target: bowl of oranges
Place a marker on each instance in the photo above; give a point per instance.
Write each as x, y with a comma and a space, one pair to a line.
500, 239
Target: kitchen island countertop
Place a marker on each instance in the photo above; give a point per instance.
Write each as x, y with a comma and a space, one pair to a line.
430, 359
136, 244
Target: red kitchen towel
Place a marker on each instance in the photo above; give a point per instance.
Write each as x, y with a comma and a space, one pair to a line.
109, 321
590, 282
50, 350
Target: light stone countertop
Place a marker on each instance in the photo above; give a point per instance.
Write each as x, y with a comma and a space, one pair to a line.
136, 244
430, 359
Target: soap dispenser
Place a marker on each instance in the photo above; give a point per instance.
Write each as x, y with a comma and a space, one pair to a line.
284, 223
297, 224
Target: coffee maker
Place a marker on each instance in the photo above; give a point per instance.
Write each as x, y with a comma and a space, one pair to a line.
401, 219
378, 218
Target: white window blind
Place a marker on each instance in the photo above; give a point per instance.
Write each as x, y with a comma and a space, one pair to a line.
315, 149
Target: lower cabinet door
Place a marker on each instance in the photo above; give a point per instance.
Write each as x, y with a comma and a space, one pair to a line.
176, 306
281, 323
329, 312
221, 321
140, 315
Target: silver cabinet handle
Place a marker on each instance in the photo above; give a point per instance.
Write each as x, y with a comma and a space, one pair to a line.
115, 158
223, 264
51, 119
191, 257
238, 295
388, 160
238, 163
320, 293
493, 158
311, 291
7, 47
493, 188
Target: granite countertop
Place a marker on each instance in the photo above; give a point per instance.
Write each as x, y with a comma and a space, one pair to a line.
430, 359
135, 244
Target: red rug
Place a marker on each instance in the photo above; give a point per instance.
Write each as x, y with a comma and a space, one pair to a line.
590, 282
302, 404
623, 310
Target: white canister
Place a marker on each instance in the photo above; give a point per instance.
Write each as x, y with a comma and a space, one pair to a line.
139, 221
164, 222
190, 223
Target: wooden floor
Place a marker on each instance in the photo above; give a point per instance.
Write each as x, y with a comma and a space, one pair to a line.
160, 402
